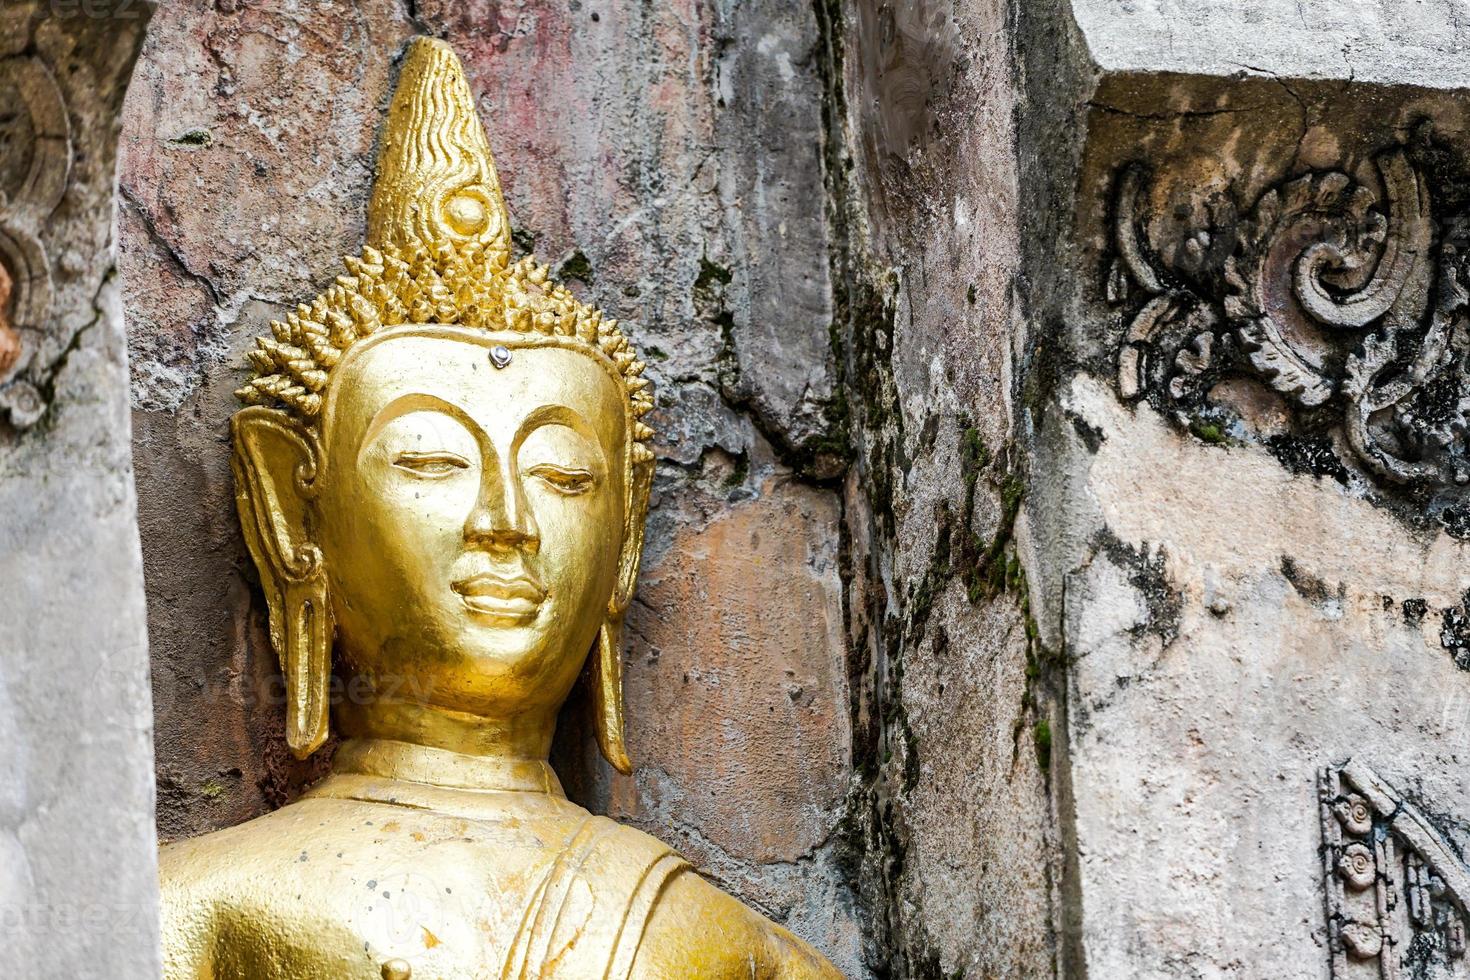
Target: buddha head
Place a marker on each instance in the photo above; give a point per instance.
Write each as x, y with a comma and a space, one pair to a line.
442, 475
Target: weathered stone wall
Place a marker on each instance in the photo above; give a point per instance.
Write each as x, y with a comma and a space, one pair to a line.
954, 727
1052, 485
1134, 491
1239, 589
78, 892
669, 159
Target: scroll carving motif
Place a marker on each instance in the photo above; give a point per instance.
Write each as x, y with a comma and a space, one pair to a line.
39, 157
1395, 888
1349, 301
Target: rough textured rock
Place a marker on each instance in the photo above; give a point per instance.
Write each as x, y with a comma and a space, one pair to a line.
75, 720
1365, 40
953, 739
736, 662
213, 145
667, 158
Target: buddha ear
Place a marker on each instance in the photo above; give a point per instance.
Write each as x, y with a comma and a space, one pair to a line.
607, 665
275, 464
641, 481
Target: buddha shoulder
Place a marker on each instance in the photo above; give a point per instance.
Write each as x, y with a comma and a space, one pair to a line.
698, 932
322, 887
299, 893
215, 863
208, 885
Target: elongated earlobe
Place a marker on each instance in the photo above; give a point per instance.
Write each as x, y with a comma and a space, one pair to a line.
606, 667
306, 661
607, 695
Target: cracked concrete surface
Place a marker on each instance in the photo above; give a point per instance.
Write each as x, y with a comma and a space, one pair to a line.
1226, 624
1389, 43
77, 870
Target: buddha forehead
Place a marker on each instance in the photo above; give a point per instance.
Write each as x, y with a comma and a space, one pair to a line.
454, 366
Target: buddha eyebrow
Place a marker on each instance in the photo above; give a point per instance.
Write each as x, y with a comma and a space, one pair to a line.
557, 415
414, 402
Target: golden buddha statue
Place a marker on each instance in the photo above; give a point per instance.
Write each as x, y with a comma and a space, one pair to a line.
443, 479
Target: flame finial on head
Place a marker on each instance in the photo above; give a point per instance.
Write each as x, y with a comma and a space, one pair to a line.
438, 251
436, 176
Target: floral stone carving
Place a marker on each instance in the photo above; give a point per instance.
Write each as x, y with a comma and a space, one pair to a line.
1395, 888
36, 130
1348, 301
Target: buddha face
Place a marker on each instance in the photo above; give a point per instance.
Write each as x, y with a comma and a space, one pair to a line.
469, 516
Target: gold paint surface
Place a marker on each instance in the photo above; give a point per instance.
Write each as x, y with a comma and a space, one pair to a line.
436, 178
442, 480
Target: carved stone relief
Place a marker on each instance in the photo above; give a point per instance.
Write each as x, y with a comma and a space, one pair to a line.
35, 139
1347, 301
1396, 889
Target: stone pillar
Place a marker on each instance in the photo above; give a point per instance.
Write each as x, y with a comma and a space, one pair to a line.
952, 717
1153, 326
78, 888
1245, 531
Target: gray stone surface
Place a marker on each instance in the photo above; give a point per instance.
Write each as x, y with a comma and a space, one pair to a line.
1232, 597
1218, 661
1398, 42
78, 890
962, 850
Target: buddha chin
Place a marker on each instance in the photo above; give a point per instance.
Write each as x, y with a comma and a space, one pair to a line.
442, 479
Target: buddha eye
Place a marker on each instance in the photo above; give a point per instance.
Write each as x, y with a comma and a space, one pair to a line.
432, 465
562, 480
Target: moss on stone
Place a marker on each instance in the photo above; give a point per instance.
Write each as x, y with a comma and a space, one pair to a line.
739, 472
523, 240
195, 138
711, 276
1041, 732
1210, 432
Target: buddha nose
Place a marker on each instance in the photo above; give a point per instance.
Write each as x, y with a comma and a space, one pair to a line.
501, 521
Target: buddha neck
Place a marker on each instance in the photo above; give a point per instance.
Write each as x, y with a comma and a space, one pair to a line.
436, 746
